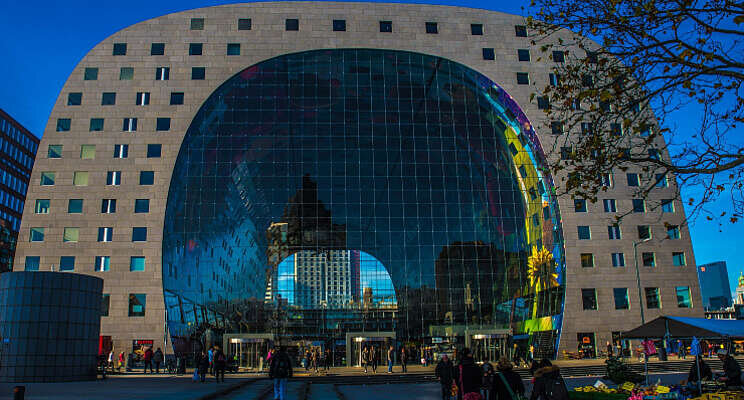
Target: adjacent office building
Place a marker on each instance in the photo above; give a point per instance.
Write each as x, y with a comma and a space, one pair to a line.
714, 285
189, 156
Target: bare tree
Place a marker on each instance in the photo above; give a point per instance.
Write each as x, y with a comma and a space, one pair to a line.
624, 70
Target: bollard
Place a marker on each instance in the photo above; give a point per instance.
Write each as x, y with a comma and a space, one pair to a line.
19, 392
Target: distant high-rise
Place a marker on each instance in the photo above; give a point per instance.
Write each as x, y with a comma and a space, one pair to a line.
322, 278
714, 285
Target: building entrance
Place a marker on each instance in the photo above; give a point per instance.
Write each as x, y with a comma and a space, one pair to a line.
489, 346
356, 342
249, 350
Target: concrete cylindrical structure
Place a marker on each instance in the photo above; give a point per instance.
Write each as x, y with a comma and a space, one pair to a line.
49, 326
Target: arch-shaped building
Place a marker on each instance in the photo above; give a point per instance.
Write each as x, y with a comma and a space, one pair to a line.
366, 148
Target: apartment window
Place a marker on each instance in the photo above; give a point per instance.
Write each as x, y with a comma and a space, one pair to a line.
587, 260
244, 24
606, 179
105, 234
613, 231
589, 299
431, 27
633, 180
162, 124
139, 234
587, 128
559, 56
197, 24
88, 151
105, 303
488, 53
63, 124
673, 232
36, 235
70, 235
47, 178
649, 259
587, 81
554, 80
386, 26
683, 297
74, 99
142, 98
580, 205
678, 259
162, 74
339, 25
96, 124
153, 150
198, 73
654, 154
137, 303
113, 178
54, 151
618, 259
176, 98
644, 232
75, 206
121, 150
147, 178
80, 178
108, 206
556, 127
523, 54
653, 300
523, 78
543, 103
233, 49
67, 263
126, 73
639, 206
476, 29
108, 99
141, 206
566, 153
292, 24
584, 232
616, 129
661, 181
90, 74
129, 125
195, 49
520, 30
137, 264
157, 49
621, 298
610, 205
42, 206
120, 49
32, 263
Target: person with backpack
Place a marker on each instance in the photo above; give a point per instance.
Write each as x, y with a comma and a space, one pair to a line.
220, 362
487, 378
445, 373
157, 359
506, 384
469, 377
549, 384
280, 370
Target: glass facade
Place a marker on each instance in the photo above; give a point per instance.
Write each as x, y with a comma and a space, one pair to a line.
335, 191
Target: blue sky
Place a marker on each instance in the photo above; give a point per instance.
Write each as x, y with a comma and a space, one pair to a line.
44, 40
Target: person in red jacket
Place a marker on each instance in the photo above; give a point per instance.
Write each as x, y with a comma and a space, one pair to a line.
148, 359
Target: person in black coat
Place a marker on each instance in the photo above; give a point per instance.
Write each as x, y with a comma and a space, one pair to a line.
499, 390
548, 379
468, 374
731, 369
445, 373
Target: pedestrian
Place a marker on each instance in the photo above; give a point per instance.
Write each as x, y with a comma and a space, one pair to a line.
316, 360
731, 369
210, 354
375, 357
202, 365
609, 350
403, 359
549, 384
111, 360
681, 350
390, 357
469, 377
122, 360
532, 353
365, 357
130, 362
148, 359
280, 370
445, 374
488, 376
157, 359
328, 359
220, 362
506, 384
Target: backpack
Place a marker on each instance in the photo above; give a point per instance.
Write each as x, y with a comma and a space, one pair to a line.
555, 389
282, 367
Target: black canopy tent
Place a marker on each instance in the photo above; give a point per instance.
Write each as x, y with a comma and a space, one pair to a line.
686, 328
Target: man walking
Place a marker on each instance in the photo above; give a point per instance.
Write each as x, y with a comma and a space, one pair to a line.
220, 362
280, 370
375, 358
157, 359
210, 354
403, 359
148, 359
444, 372
390, 357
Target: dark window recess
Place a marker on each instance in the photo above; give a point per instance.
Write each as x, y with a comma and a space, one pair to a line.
556, 127
108, 99
431, 27
523, 54
559, 56
339, 25
157, 49
120, 49
386, 26
543, 103
63, 124
147, 177
523, 78
244, 24
197, 24
139, 234
96, 124
154, 150
198, 73
176, 98
587, 81
488, 54
476, 29
292, 24
91, 74
520, 30
195, 49
74, 99
162, 124
233, 49
141, 206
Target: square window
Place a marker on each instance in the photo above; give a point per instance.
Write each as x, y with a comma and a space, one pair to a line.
554, 80
126, 73
667, 206
520, 30
233, 49
67, 263
683, 297
137, 304
105, 234
476, 29
587, 81
108, 99
633, 180
63, 124
195, 49
176, 98
649, 259
653, 300
36, 235
137, 264
90, 74
292, 24
197, 24
673, 232
108, 206
386, 26
113, 178
75, 206
120, 49
121, 150
162, 73
139, 234
157, 49
129, 125
147, 177
639, 206
580, 205
54, 151
142, 98
488, 54
431, 27
96, 124
584, 233
587, 128
661, 180
105, 303
523, 54
153, 150
162, 124
543, 103
618, 259
556, 127
523, 78
587, 260
47, 178
42, 206
70, 235
566, 153
339, 25
613, 232
621, 298
141, 206
198, 73
678, 259
74, 99
244, 24
88, 151
616, 129
589, 299
559, 56
80, 178
32, 263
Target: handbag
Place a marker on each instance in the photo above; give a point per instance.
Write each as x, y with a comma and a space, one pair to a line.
513, 395
195, 378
